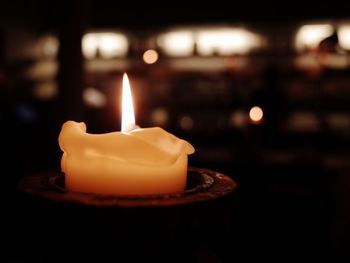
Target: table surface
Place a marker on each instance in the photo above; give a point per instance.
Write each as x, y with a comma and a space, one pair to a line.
280, 215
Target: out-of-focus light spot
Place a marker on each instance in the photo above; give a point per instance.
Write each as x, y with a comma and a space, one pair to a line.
303, 122
113, 45
339, 122
225, 42
94, 98
159, 116
177, 43
238, 119
309, 36
306, 61
26, 113
236, 62
50, 46
335, 61
42, 70
90, 45
109, 45
45, 90
256, 114
344, 36
186, 122
150, 56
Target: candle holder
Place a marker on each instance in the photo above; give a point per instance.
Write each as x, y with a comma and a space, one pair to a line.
159, 228
202, 185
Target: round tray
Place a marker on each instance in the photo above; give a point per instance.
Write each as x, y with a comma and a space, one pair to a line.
202, 185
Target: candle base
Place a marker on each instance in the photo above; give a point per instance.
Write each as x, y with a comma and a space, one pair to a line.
202, 185
177, 227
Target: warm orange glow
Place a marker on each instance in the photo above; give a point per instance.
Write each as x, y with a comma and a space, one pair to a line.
150, 56
159, 116
256, 114
186, 122
128, 115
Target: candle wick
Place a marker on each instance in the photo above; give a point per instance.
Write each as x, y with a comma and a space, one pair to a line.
131, 127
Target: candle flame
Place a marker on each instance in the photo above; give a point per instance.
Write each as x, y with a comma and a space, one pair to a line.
128, 115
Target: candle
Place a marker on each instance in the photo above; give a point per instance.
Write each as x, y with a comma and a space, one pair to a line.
134, 161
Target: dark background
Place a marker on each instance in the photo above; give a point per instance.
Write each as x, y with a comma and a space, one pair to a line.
293, 195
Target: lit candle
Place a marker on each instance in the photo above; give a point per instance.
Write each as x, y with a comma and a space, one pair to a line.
131, 162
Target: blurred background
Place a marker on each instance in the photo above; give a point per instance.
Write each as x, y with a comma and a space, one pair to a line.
261, 91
